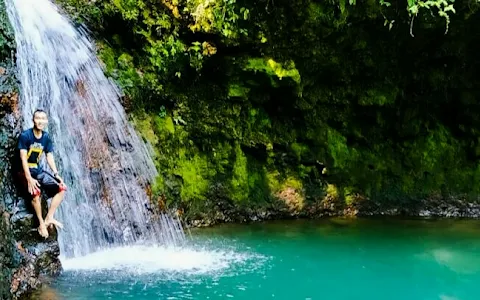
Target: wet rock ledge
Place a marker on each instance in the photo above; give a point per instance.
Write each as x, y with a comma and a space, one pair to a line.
26, 259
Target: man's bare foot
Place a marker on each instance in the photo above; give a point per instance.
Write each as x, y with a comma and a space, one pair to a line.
52, 221
42, 230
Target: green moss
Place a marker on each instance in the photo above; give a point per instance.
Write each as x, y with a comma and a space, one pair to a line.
339, 150
273, 181
108, 56
194, 172
164, 125
143, 124
349, 195
243, 99
158, 186
273, 68
7, 40
299, 150
315, 10
130, 8
278, 182
379, 97
332, 191
240, 177
169, 125
293, 183
237, 90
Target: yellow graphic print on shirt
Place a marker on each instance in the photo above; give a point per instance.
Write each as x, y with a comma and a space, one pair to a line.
34, 154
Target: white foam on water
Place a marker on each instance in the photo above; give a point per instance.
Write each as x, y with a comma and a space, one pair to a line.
156, 259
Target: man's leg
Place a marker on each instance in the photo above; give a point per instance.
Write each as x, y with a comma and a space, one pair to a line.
52, 189
22, 185
56, 200
37, 205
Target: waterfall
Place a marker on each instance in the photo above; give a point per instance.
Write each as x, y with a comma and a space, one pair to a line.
104, 163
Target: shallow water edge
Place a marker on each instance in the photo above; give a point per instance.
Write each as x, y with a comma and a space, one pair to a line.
433, 207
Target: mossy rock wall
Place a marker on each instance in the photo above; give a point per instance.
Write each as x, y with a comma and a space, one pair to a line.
7, 92
245, 102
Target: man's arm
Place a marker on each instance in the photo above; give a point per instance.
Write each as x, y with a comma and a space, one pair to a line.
51, 163
23, 148
32, 182
51, 160
26, 169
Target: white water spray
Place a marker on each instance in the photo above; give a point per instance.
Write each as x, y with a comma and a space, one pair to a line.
102, 160
139, 260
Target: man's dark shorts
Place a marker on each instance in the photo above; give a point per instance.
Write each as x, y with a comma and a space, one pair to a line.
47, 184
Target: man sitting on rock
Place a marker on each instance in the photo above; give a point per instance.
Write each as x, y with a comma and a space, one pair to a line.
32, 143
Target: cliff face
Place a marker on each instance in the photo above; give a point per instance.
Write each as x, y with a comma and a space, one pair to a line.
25, 258
5, 255
251, 104
8, 101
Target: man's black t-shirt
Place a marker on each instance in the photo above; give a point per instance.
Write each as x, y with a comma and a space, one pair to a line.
35, 148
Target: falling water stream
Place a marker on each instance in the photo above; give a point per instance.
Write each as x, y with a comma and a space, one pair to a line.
105, 165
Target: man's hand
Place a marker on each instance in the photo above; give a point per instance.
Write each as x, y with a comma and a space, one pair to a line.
33, 185
60, 180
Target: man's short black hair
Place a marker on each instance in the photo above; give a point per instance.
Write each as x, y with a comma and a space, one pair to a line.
39, 110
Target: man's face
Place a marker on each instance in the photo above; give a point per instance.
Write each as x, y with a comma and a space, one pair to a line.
40, 120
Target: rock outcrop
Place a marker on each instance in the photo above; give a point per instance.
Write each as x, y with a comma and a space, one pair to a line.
25, 257
289, 204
